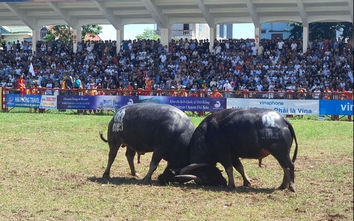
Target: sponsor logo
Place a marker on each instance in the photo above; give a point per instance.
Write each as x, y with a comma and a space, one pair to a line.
217, 104
271, 103
346, 107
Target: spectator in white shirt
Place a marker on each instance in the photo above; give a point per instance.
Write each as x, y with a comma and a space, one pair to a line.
227, 88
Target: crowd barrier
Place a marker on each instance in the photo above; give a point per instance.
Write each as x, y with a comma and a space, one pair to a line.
75, 100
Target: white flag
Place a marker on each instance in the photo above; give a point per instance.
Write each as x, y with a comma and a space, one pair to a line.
31, 70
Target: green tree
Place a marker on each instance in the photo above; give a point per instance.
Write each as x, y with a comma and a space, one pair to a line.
64, 33
148, 33
50, 36
93, 30
296, 30
59, 32
322, 30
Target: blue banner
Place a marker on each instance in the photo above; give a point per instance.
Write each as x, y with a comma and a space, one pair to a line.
336, 107
188, 103
94, 102
28, 101
326, 107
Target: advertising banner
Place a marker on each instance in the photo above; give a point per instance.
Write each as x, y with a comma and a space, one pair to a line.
336, 107
294, 107
188, 103
48, 102
28, 101
94, 102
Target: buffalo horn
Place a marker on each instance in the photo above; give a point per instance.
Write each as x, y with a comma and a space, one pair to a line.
186, 178
191, 167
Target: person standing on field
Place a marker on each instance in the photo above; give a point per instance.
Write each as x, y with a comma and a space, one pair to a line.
22, 87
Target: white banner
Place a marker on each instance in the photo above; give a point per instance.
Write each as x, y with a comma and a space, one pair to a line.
48, 102
295, 107
31, 70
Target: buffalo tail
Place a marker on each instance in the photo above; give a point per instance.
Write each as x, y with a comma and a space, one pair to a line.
294, 136
104, 139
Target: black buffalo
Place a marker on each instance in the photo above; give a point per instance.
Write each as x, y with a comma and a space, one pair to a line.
149, 127
230, 134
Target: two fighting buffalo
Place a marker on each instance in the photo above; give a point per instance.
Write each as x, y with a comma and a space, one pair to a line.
192, 153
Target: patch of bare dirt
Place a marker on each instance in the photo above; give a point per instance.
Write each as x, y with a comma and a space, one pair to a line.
334, 217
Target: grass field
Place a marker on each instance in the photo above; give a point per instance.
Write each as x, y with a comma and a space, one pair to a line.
51, 167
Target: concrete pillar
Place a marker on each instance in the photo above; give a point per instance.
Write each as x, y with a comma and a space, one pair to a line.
35, 37
79, 35
257, 35
212, 37
305, 37
165, 36
119, 38
75, 39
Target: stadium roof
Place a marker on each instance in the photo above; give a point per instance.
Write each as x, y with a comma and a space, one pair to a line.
36, 13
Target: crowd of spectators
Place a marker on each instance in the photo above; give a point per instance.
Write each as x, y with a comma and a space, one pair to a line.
234, 67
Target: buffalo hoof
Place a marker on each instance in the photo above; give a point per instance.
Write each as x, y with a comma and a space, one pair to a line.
231, 186
145, 182
247, 183
291, 188
162, 180
282, 187
106, 176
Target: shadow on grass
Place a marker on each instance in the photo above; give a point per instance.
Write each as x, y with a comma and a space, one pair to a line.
239, 189
121, 181
115, 180
190, 185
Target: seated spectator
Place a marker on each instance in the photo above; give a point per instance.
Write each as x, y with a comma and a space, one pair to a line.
215, 93
186, 61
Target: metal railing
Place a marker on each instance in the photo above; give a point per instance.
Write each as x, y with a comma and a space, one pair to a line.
185, 93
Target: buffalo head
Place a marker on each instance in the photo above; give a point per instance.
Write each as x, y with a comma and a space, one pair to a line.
168, 176
202, 174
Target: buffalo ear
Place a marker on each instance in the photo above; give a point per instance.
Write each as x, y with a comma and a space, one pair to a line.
175, 171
